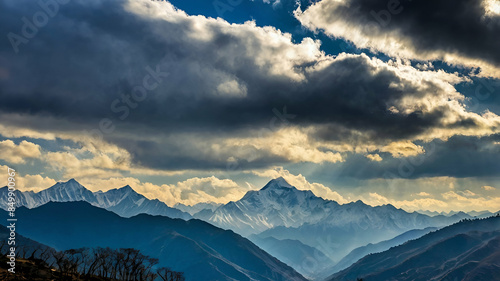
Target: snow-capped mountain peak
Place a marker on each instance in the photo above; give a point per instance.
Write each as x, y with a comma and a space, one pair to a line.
123, 192
70, 186
277, 204
279, 192
277, 183
127, 189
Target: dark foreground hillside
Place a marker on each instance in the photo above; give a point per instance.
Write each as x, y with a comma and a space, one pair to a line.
27, 270
36, 261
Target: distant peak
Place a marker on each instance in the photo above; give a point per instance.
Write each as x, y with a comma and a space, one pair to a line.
280, 179
70, 182
358, 202
126, 188
277, 182
391, 206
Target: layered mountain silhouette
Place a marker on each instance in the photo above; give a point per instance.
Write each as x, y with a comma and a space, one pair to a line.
468, 250
123, 201
281, 211
200, 250
317, 237
362, 251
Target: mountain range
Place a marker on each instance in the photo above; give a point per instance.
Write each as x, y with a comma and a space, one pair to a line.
200, 250
468, 250
278, 218
123, 201
283, 212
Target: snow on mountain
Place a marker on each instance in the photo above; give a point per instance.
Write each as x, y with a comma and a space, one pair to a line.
280, 204
66, 191
122, 201
196, 208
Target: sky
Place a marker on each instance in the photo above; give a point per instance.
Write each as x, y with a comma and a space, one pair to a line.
386, 101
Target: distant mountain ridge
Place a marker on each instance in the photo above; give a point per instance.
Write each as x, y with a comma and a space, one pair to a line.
196, 208
199, 249
123, 201
478, 214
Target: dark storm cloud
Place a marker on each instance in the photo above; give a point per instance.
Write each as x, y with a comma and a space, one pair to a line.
461, 27
74, 64
448, 25
87, 56
177, 156
458, 157
221, 81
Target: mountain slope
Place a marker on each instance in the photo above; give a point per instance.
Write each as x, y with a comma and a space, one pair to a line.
202, 251
123, 201
463, 250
